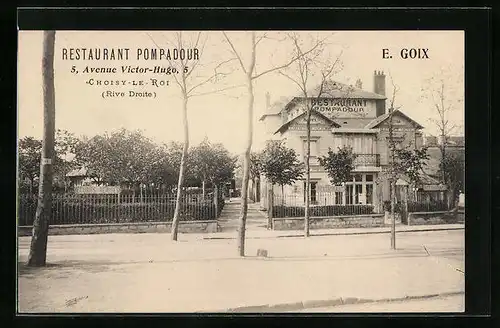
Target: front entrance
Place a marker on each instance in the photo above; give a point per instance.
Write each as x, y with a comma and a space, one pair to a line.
359, 191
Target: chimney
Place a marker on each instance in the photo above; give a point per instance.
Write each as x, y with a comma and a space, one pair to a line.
268, 101
379, 88
359, 84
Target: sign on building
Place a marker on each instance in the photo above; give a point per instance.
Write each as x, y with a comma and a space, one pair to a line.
345, 107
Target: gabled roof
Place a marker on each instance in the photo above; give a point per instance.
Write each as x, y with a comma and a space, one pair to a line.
313, 112
334, 89
81, 172
425, 179
377, 121
331, 89
276, 107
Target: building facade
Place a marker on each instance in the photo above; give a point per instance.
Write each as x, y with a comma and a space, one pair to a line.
345, 116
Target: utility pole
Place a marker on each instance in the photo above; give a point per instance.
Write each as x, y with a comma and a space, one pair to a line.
38, 249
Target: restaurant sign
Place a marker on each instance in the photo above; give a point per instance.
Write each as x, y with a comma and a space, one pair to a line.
342, 106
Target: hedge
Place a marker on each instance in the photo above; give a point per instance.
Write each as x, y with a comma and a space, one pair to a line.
329, 210
435, 206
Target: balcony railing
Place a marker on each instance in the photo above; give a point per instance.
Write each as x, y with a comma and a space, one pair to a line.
367, 160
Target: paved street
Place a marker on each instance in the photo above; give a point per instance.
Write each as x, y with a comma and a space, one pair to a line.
437, 304
150, 273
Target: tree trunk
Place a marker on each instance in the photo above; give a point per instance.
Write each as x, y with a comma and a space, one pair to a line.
392, 179
244, 206
308, 174
180, 183
393, 214
442, 148
252, 190
141, 194
270, 206
216, 200
38, 249
282, 195
203, 189
248, 148
257, 190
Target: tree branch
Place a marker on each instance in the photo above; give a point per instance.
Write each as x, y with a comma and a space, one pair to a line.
288, 63
235, 52
218, 90
175, 76
201, 52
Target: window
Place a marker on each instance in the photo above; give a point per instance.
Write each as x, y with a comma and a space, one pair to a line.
360, 143
349, 197
312, 192
369, 177
338, 197
314, 148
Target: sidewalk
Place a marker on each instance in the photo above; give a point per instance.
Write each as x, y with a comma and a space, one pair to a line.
257, 231
258, 234
150, 273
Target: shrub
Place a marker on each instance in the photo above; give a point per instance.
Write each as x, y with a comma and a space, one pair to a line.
433, 206
398, 206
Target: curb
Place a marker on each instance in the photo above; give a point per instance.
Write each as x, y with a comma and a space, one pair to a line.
340, 233
304, 305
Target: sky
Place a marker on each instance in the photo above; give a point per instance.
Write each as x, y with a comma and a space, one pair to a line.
217, 110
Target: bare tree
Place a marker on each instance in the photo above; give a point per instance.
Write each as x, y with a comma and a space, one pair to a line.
188, 85
306, 67
404, 159
439, 91
38, 249
250, 77
392, 168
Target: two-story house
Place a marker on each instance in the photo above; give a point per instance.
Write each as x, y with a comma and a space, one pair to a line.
346, 115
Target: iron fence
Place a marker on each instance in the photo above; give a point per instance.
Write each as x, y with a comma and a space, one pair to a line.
322, 203
332, 201
97, 209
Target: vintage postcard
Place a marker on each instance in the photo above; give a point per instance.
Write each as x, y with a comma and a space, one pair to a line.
241, 171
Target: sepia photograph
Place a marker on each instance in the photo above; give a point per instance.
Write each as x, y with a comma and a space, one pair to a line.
241, 171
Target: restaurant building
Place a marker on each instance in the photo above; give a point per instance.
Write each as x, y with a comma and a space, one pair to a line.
346, 116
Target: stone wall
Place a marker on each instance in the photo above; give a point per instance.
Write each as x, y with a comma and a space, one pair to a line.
85, 229
348, 221
424, 218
